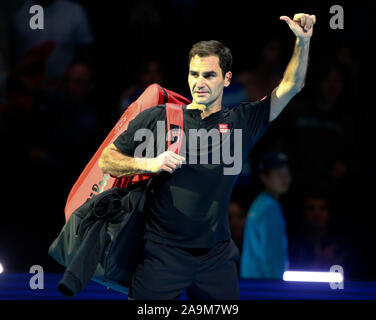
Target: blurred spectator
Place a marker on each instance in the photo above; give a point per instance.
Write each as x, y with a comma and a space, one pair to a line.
4, 48
143, 23
234, 94
316, 246
254, 84
3, 78
27, 75
18, 107
143, 18
323, 131
22, 82
65, 24
342, 185
70, 128
188, 11
64, 132
264, 252
78, 119
260, 80
148, 72
237, 216
349, 67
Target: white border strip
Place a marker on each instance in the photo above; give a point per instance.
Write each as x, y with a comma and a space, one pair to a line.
312, 276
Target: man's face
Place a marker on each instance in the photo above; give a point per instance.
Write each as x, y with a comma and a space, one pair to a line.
206, 81
236, 219
78, 84
278, 180
316, 212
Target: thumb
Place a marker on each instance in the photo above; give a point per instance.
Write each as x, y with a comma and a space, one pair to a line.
287, 19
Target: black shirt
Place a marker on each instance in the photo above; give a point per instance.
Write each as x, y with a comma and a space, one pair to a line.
189, 208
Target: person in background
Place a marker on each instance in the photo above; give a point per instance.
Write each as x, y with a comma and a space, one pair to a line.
265, 74
264, 252
236, 218
149, 71
317, 246
67, 123
66, 25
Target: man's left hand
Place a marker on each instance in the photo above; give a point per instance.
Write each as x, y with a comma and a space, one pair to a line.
301, 25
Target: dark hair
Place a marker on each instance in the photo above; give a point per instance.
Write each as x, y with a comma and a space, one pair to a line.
213, 48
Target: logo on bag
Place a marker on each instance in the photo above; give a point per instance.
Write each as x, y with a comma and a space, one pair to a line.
99, 187
119, 126
174, 134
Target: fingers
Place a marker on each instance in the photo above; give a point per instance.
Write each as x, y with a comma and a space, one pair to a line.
167, 168
287, 19
309, 22
176, 156
306, 21
172, 161
300, 19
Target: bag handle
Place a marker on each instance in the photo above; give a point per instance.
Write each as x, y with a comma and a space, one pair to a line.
175, 126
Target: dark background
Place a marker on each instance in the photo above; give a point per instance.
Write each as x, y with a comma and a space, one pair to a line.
40, 163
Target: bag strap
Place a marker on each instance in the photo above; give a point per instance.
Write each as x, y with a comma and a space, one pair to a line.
175, 126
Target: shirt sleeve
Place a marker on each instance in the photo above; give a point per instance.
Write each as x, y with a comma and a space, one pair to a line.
254, 119
126, 141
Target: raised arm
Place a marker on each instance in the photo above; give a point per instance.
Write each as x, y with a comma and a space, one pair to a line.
114, 162
295, 73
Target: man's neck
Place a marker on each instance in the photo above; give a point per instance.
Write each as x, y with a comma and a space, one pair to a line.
206, 110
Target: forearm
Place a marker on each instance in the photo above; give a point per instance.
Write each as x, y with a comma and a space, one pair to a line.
120, 165
294, 77
295, 73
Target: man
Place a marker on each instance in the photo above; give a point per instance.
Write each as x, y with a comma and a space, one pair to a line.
188, 244
264, 251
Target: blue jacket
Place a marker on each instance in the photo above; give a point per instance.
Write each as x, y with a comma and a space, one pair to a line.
264, 251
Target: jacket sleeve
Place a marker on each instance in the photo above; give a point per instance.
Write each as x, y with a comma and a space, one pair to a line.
271, 244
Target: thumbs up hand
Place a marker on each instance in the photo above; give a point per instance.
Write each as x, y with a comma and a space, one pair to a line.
301, 25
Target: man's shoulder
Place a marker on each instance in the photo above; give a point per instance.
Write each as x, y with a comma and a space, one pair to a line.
153, 112
155, 109
241, 111
248, 104
147, 118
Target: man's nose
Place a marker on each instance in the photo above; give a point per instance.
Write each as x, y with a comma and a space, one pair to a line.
200, 82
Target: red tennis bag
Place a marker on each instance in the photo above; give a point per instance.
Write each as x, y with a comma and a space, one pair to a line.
92, 180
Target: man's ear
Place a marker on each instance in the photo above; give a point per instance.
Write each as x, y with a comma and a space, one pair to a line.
228, 77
